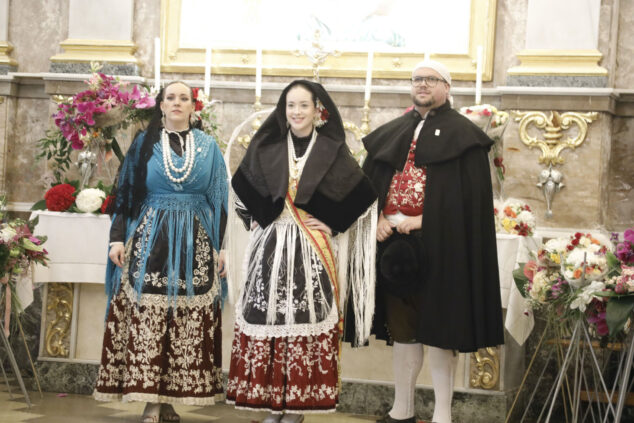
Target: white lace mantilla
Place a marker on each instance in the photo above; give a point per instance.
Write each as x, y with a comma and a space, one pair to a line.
298, 298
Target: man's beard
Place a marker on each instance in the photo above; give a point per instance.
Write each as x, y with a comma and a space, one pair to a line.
425, 104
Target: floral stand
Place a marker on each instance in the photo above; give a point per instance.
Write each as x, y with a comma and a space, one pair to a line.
14, 365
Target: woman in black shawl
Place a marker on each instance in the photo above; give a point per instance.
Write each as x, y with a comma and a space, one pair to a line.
298, 185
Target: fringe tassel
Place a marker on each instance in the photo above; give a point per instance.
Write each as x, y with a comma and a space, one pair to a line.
356, 252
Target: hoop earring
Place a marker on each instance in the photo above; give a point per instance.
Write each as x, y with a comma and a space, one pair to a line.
163, 119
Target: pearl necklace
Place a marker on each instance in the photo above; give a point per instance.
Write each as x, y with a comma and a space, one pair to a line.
189, 152
295, 165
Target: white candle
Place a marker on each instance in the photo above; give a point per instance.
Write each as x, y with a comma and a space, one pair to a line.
157, 64
368, 75
207, 71
478, 93
258, 73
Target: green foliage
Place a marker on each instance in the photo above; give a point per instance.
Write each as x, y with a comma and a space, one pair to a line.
40, 205
55, 148
618, 311
614, 265
521, 281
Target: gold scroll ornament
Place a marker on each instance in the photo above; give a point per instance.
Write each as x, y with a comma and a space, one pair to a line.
553, 125
485, 368
59, 302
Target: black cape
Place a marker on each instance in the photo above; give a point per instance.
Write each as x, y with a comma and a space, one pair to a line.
333, 188
459, 292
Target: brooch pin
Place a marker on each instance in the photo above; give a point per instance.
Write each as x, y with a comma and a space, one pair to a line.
437, 133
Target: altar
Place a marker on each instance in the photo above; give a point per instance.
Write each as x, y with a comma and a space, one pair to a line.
74, 302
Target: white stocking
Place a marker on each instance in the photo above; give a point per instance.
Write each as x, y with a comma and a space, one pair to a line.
407, 362
443, 368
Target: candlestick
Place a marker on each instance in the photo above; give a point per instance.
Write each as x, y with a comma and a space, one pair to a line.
478, 94
365, 120
368, 75
157, 64
258, 73
207, 71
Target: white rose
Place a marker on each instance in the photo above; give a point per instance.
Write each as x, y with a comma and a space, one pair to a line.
557, 245
7, 233
90, 199
528, 218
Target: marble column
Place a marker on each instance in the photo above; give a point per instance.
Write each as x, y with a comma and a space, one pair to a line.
561, 46
98, 32
7, 64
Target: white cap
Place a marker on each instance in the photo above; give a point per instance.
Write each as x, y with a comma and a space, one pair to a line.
437, 66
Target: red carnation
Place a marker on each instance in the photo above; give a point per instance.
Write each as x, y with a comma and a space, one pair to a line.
105, 207
575, 241
325, 115
578, 235
198, 104
60, 197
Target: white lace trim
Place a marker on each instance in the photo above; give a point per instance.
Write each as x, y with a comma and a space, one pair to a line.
270, 410
280, 331
286, 230
137, 396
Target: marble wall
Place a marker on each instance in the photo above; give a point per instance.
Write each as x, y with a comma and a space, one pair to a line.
36, 27
621, 175
625, 47
23, 171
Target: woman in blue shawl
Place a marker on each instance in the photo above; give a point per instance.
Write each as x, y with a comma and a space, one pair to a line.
162, 331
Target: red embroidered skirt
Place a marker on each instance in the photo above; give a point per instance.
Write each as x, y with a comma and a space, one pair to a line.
156, 353
299, 373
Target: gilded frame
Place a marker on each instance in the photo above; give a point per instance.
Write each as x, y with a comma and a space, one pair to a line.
347, 65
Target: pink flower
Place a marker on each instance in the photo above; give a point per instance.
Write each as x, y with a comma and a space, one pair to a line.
145, 103
530, 268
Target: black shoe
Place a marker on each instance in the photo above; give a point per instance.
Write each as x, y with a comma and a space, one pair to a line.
388, 419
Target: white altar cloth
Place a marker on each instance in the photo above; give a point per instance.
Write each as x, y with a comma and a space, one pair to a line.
77, 246
512, 250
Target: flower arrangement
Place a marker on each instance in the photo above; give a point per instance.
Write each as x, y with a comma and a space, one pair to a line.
93, 115
625, 249
60, 197
90, 119
89, 200
581, 276
585, 259
18, 249
515, 217
204, 110
67, 197
494, 123
552, 252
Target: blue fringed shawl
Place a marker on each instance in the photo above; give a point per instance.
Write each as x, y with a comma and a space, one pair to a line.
174, 207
